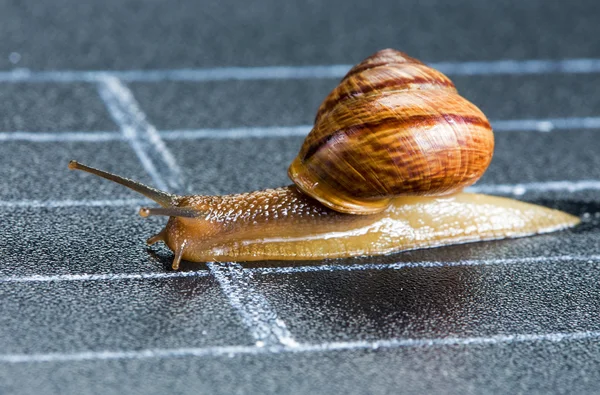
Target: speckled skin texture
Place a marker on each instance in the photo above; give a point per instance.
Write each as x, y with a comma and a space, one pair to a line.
392, 127
284, 224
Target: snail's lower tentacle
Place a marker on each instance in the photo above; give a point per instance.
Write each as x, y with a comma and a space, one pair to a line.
161, 236
178, 255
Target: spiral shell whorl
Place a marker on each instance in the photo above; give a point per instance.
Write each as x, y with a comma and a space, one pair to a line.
393, 126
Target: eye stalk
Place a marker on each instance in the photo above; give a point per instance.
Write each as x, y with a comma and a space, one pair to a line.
184, 212
163, 198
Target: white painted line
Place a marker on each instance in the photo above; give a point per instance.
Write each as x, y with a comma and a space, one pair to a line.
58, 76
543, 186
235, 280
238, 73
538, 125
43, 137
71, 203
100, 277
138, 354
142, 136
508, 67
450, 341
203, 74
506, 189
482, 68
421, 264
237, 133
232, 351
546, 125
254, 309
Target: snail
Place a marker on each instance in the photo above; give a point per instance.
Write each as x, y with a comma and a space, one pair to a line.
392, 147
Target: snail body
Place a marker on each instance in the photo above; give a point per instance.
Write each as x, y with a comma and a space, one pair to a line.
286, 224
381, 171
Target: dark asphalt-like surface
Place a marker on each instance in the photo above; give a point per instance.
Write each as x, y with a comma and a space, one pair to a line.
492, 317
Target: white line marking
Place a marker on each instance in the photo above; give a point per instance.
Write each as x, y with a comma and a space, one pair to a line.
100, 277
543, 186
538, 125
421, 264
232, 351
203, 74
498, 67
143, 137
239, 289
72, 203
43, 137
546, 125
507, 189
66, 76
535, 66
254, 309
237, 133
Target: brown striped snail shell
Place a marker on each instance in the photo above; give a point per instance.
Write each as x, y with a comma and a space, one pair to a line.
392, 127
